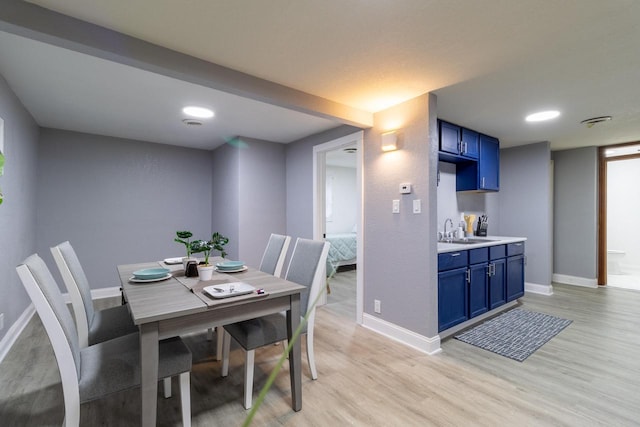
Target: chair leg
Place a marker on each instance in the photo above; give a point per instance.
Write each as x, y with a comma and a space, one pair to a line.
248, 377
226, 347
220, 336
310, 357
167, 387
185, 398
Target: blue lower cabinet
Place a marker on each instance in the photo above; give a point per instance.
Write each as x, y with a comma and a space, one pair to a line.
478, 289
452, 298
515, 277
497, 288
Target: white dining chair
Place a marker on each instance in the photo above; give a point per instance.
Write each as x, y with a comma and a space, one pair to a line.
94, 326
95, 371
305, 268
274, 254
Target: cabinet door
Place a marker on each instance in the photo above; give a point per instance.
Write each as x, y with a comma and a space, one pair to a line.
497, 292
515, 277
478, 290
489, 164
449, 138
452, 298
470, 141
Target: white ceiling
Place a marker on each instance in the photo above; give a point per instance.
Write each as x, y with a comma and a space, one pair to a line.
490, 63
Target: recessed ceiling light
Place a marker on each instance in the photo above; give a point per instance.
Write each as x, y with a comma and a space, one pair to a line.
542, 116
199, 112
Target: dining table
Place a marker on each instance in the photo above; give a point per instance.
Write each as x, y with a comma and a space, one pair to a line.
176, 304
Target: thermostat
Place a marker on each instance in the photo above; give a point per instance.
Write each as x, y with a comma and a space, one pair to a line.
405, 188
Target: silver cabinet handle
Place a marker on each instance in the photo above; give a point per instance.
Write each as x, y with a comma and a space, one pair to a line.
483, 182
489, 270
456, 254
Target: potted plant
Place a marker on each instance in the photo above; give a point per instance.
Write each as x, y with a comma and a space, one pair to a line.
218, 241
205, 270
183, 238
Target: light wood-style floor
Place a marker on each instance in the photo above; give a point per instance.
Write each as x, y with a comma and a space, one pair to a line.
588, 375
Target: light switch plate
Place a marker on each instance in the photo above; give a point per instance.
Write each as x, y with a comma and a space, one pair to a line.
395, 206
417, 206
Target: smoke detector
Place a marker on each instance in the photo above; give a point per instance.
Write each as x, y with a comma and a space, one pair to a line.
192, 122
595, 120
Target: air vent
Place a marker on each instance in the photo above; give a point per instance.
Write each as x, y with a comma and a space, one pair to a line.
192, 122
350, 150
595, 120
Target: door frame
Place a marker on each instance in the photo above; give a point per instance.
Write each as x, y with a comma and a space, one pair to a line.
603, 161
319, 212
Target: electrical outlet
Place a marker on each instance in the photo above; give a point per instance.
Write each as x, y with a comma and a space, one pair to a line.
1, 321
376, 306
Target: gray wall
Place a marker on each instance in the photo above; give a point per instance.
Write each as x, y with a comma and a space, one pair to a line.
575, 212
400, 249
525, 205
249, 196
119, 201
225, 201
18, 211
262, 197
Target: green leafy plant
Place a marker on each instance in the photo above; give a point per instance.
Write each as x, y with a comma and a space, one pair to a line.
218, 241
204, 246
183, 238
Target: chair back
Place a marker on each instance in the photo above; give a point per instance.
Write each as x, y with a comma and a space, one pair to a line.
305, 268
56, 318
78, 287
274, 254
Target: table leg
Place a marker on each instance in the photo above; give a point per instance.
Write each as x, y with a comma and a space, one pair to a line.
295, 356
149, 373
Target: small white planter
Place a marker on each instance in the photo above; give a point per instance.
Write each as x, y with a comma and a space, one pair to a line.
205, 272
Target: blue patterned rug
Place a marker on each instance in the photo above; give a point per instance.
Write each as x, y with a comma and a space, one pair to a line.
515, 334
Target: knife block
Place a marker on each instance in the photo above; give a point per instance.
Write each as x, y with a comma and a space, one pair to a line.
481, 229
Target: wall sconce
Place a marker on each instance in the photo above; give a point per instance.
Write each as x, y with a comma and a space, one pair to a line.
389, 141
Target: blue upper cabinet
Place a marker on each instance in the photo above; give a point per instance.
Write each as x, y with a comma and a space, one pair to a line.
477, 157
469, 143
457, 144
449, 137
489, 164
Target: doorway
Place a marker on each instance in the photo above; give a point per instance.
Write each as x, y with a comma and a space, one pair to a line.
618, 256
331, 164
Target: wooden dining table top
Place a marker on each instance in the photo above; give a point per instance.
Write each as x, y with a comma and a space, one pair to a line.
160, 300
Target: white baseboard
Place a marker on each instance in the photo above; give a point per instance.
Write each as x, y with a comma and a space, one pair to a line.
15, 330
419, 342
574, 280
18, 326
536, 288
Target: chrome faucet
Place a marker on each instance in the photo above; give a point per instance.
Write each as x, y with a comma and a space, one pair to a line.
450, 221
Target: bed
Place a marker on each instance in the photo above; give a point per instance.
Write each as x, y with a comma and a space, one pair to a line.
343, 251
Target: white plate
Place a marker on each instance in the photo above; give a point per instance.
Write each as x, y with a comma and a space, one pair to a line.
236, 270
224, 290
134, 280
171, 261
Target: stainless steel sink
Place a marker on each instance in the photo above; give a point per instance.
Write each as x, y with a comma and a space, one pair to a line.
470, 241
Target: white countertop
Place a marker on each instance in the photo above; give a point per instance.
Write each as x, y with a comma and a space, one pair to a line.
487, 241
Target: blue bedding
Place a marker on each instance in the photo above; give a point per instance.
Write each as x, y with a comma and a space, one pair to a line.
343, 248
